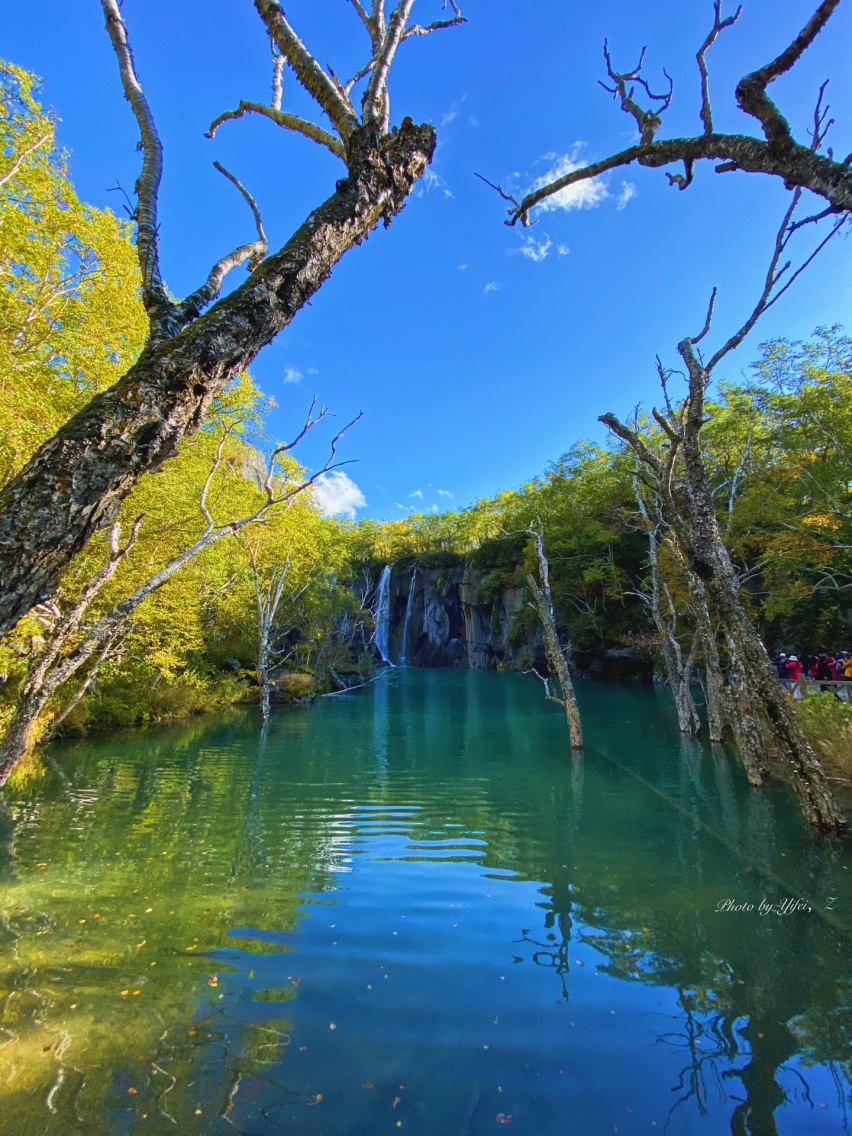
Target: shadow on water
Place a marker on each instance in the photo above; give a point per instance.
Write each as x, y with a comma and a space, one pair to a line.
411, 909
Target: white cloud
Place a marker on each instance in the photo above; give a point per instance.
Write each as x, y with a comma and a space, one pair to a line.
563, 250
473, 121
627, 193
491, 286
417, 493
398, 505
586, 194
433, 180
448, 117
534, 250
337, 495
292, 375
462, 268
433, 508
445, 493
312, 371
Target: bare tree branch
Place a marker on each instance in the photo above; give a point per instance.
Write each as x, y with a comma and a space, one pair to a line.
751, 91
718, 26
306, 69
251, 254
148, 184
777, 154
281, 118
375, 104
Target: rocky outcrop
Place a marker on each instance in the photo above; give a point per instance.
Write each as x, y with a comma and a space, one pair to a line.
473, 611
453, 611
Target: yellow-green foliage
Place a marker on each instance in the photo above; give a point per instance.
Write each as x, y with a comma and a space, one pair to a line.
70, 317
71, 323
827, 723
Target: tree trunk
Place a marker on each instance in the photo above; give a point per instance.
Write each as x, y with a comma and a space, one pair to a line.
714, 680
768, 713
77, 480
555, 653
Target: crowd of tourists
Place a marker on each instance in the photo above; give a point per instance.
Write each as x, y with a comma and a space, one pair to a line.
822, 668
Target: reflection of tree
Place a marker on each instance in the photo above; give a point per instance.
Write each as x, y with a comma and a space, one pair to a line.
125, 874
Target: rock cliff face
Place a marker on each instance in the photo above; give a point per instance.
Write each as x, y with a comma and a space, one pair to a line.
452, 611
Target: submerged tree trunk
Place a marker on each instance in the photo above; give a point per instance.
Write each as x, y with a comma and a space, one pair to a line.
268, 600
556, 655
705, 551
679, 670
714, 680
762, 714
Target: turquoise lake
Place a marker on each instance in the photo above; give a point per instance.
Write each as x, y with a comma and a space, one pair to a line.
411, 910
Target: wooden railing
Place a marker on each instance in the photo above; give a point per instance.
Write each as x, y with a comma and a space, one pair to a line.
805, 685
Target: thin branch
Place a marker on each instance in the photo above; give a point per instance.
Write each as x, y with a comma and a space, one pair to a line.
306, 69
436, 25
708, 320
205, 489
253, 253
252, 204
362, 13
154, 295
718, 26
22, 157
500, 190
647, 121
278, 62
770, 280
375, 104
281, 118
548, 693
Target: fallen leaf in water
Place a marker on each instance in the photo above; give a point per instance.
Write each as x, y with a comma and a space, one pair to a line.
124, 993
503, 1118
397, 1101
368, 1085
131, 1089
213, 980
332, 1025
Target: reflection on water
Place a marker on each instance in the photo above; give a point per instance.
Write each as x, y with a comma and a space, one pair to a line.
412, 910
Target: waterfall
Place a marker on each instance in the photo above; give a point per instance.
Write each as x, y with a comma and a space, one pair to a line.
381, 615
404, 646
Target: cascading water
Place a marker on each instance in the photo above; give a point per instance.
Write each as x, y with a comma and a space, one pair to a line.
381, 615
403, 660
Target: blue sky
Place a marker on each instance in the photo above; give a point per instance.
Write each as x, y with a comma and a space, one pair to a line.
477, 352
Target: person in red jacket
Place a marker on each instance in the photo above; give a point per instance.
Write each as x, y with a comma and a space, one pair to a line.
794, 669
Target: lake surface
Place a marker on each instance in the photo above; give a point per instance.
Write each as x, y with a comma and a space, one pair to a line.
410, 910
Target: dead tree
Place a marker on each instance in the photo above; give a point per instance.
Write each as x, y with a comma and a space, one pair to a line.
556, 654
679, 668
268, 595
76, 481
778, 153
762, 714
73, 646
